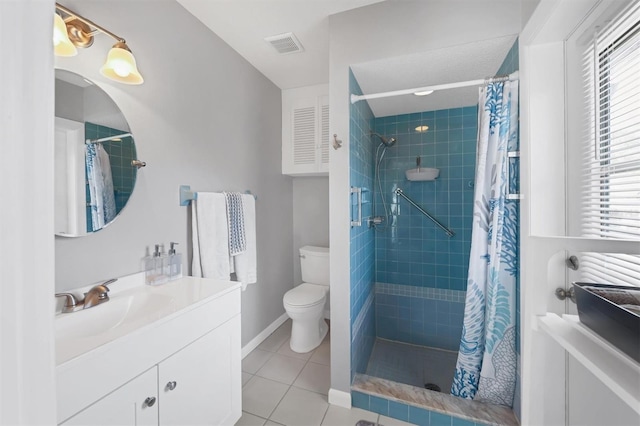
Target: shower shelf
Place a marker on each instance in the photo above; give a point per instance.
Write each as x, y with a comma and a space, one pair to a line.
422, 174
616, 370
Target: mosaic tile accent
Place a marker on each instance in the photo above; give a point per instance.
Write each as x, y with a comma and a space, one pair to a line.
421, 292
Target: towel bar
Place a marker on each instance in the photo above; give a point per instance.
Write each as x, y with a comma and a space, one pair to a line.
186, 195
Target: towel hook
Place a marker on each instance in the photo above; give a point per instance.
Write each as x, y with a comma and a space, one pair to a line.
337, 143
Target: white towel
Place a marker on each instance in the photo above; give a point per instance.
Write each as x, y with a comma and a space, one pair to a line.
210, 234
245, 264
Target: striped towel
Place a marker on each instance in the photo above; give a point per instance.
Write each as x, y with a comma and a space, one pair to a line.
235, 220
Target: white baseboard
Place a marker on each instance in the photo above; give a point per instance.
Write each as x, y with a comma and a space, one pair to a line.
340, 398
255, 342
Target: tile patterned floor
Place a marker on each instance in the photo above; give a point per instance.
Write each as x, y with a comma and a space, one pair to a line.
281, 387
412, 365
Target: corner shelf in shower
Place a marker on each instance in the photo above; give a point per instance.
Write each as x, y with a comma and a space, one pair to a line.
422, 174
616, 370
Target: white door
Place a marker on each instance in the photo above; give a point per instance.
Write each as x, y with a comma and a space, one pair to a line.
201, 384
134, 404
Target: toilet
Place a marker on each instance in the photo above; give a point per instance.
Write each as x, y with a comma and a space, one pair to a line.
305, 303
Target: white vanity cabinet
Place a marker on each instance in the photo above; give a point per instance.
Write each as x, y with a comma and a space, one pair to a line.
305, 131
135, 403
177, 367
199, 385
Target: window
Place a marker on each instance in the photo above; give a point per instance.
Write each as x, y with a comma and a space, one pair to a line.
611, 188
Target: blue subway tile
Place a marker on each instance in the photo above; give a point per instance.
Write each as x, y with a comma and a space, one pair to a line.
399, 411
418, 416
438, 419
360, 400
379, 405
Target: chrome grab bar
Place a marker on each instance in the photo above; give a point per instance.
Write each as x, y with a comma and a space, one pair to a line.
446, 230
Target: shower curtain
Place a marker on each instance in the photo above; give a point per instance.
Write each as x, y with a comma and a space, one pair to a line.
102, 196
486, 367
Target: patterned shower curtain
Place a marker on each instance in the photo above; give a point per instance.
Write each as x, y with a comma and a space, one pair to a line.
486, 368
102, 195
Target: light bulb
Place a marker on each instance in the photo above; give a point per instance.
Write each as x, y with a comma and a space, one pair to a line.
121, 68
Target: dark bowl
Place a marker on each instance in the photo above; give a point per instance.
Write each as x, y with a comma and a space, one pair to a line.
612, 312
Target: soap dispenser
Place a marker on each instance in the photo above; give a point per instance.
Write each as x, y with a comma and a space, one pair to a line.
164, 262
154, 268
175, 263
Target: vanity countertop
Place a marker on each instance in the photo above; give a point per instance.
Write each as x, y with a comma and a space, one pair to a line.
132, 308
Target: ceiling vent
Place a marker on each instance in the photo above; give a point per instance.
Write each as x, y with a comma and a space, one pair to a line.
285, 43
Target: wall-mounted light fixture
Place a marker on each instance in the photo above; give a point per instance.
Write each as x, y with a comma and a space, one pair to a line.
71, 30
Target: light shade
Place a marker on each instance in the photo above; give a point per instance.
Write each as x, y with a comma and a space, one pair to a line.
121, 65
62, 46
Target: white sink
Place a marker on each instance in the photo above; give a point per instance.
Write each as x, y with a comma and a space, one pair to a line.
128, 311
108, 316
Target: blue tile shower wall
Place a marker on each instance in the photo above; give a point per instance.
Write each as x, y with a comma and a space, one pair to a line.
361, 238
420, 315
413, 251
120, 155
509, 65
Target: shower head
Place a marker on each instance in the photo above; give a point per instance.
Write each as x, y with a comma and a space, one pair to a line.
388, 142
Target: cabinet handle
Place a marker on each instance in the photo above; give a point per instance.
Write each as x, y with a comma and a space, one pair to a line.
171, 386
150, 401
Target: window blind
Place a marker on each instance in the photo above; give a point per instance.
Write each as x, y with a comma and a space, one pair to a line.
611, 158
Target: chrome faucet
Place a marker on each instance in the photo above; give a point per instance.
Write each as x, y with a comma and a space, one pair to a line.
95, 296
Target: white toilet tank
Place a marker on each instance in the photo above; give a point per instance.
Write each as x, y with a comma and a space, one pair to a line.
314, 265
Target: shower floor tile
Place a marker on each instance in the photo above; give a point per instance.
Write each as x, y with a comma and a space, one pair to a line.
412, 365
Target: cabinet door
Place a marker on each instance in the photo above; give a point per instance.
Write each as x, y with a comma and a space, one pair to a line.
201, 384
304, 131
126, 405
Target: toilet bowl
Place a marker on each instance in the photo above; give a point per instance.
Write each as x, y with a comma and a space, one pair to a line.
305, 303
305, 306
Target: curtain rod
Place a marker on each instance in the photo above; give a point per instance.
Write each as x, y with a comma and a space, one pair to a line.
108, 138
510, 77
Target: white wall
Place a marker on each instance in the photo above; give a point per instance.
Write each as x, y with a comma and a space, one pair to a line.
27, 388
69, 101
204, 117
310, 217
362, 35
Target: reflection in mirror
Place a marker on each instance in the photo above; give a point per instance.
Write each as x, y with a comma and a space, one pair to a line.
94, 149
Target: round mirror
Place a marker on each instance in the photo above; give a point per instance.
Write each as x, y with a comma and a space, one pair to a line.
95, 162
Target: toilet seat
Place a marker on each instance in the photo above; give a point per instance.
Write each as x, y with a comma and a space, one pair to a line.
305, 295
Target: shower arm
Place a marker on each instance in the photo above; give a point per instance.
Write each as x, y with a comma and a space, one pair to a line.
446, 230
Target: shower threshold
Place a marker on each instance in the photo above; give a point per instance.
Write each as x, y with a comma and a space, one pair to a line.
435, 401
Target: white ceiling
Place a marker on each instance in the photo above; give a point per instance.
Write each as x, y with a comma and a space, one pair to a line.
471, 61
243, 24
